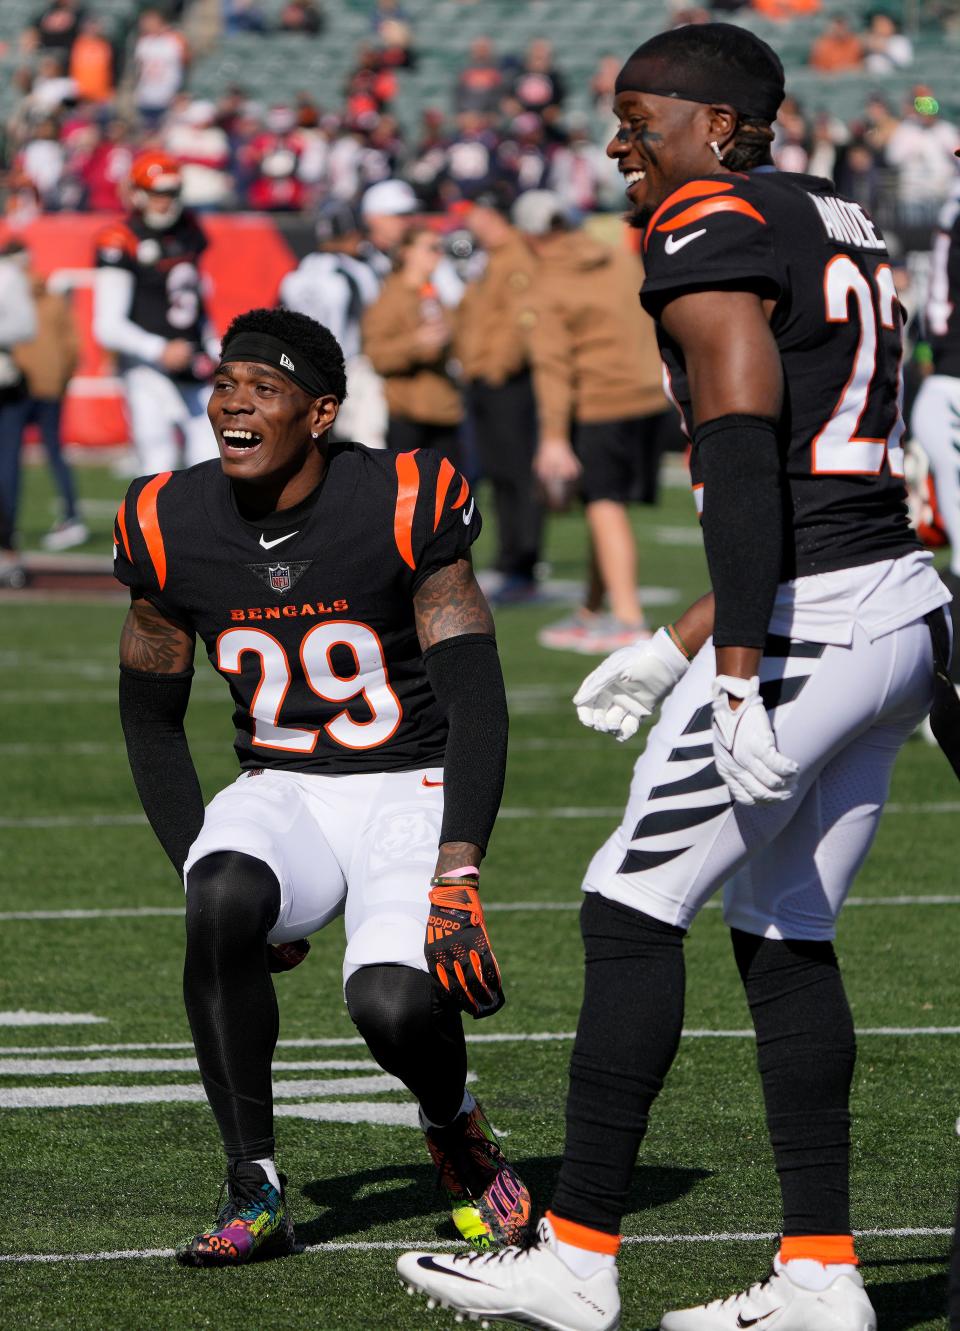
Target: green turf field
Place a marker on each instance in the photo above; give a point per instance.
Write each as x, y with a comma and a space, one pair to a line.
97, 1176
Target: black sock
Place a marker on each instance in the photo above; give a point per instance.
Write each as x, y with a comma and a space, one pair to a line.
805, 1051
627, 1037
232, 903
414, 1032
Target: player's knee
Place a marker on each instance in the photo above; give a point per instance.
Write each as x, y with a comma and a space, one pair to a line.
391, 1006
231, 897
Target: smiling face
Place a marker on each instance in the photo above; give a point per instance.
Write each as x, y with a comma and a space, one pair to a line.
661, 143
264, 424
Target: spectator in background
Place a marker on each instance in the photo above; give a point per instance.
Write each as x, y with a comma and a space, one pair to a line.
880, 124
334, 286
48, 363
275, 154
18, 323
603, 84
600, 406
387, 209
92, 63
42, 160
50, 89
56, 27
203, 150
428, 166
837, 48
301, 16
492, 349
160, 58
408, 335
538, 85
245, 16
480, 83
105, 166
886, 46
922, 149
857, 176
578, 168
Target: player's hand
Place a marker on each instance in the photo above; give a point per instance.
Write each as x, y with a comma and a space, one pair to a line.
177, 355
629, 685
744, 749
457, 948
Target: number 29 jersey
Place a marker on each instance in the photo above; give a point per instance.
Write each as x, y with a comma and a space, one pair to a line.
309, 614
838, 327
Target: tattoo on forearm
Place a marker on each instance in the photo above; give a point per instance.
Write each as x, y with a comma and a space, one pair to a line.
150, 642
451, 603
457, 855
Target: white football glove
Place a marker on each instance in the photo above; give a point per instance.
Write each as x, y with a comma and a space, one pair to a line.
744, 748
629, 685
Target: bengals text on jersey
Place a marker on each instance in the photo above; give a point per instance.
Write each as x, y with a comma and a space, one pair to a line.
837, 322
308, 614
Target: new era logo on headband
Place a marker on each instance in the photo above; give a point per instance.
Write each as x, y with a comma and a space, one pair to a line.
287, 363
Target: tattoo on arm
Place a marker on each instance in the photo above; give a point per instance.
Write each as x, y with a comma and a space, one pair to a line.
457, 855
151, 642
450, 603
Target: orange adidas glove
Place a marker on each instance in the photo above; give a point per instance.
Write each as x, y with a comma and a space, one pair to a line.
458, 950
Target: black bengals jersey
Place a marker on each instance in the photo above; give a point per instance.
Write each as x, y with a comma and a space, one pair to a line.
308, 615
943, 303
838, 326
167, 285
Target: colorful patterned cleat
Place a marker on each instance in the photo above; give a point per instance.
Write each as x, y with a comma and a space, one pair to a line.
489, 1202
253, 1223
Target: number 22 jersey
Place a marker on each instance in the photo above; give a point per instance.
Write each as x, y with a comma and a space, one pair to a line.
308, 614
838, 327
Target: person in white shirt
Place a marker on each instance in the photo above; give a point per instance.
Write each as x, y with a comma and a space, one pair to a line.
334, 286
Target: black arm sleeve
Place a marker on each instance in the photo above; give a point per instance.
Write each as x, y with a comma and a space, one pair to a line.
742, 524
152, 708
465, 675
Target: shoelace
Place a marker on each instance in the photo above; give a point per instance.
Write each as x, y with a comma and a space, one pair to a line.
732, 1299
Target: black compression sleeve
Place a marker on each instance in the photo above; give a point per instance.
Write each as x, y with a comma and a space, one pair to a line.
465, 675
152, 708
742, 524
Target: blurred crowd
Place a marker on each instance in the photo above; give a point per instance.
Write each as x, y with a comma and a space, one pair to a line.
88, 103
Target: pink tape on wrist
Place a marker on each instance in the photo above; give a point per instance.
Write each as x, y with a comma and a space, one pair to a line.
462, 873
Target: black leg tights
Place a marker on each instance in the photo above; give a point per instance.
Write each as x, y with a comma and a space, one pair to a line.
414, 1032
627, 1037
232, 903
805, 1051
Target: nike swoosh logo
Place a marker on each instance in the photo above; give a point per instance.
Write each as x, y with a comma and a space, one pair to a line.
428, 783
268, 545
752, 1321
468, 513
431, 1264
672, 245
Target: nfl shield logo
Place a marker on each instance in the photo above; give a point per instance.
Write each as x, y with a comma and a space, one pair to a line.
280, 577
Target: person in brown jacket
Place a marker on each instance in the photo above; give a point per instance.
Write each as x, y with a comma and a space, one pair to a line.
492, 349
407, 334
48, 364
601, 407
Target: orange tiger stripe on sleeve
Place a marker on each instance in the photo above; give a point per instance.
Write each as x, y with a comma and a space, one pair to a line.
149, 522
695, 189
444, 478
462, 496
408, 487
730, 204
122, 529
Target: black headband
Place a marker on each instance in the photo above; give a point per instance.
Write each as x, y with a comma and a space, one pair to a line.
698, 64
266, 349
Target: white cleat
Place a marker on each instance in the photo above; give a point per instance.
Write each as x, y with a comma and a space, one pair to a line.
779, 1304
532, 1286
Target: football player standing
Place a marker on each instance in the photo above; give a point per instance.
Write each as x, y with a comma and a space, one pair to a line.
149, 310
792, 687
332, 589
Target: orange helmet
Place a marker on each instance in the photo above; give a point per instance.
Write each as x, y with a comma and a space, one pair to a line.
156, 171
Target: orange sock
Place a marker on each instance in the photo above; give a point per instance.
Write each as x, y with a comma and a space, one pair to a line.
581, 1236
825, 1248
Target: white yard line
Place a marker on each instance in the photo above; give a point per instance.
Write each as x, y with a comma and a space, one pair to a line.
22, 1018
355, 1042
432, 1245
556, 812
176, 912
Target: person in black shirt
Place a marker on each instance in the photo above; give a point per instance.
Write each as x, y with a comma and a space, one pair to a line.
332, 589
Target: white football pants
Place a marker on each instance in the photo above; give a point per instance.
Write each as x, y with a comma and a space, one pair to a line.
363, 846
842, 713
935, 424
162, 411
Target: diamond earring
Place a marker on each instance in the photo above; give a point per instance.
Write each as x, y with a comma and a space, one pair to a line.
716, 151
